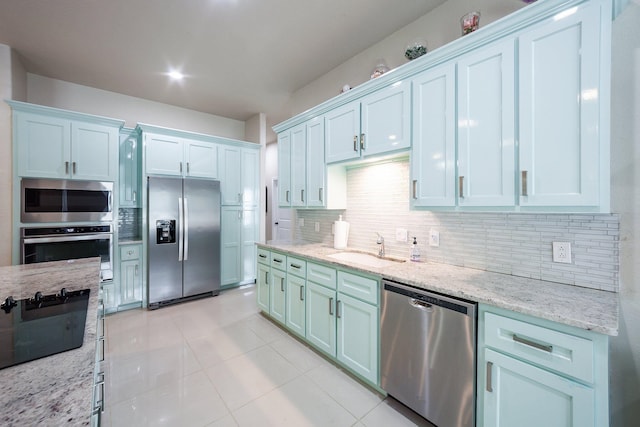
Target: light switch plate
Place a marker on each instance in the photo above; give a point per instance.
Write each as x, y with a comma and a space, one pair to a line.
401, 234
562, 252
434, 238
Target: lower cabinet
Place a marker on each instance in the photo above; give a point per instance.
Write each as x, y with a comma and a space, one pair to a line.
533, 372
295, 307
262, 285
109, 296
130, 277
238, 251
97, 402
278, 295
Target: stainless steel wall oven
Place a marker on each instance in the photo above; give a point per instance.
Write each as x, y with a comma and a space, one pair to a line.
42, 244
59, 200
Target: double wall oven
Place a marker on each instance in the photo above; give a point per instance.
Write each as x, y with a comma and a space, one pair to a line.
64, 219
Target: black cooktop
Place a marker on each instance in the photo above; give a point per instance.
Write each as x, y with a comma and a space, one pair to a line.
36, 327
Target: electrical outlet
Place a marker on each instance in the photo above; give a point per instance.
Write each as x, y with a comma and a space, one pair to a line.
300, 222
434, 238
562, 252
401, 234
317, 226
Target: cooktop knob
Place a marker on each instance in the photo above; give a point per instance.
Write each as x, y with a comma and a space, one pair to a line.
38, 296
8, 304
63, 293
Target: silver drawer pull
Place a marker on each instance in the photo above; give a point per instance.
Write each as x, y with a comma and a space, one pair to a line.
547, 348
331, 306
489, 374
355, 142
301, 293
296, 266
276, 260
524, 184
282, 284
262, 256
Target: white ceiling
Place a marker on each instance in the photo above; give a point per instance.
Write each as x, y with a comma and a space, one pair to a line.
241, 57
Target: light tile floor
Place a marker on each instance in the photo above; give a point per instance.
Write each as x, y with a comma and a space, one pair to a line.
219, 362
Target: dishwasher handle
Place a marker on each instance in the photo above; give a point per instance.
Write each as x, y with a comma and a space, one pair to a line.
420, 305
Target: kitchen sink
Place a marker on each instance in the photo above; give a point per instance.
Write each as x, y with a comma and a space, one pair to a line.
367, 259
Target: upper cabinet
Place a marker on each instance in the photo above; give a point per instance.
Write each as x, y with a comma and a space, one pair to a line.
129, 182
563, 100
377, 124
172, 155
239, 175
53, 143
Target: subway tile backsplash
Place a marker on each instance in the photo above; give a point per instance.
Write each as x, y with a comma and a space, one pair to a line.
129, 221
510, 243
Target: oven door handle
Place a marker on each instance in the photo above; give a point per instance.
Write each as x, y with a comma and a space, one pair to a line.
73, 238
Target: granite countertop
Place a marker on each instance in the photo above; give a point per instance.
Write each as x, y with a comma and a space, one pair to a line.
584, 308
57, 389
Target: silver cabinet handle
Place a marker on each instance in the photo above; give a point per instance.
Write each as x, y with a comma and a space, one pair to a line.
262, 256
74, 168
186, 230
320, 194
301, 293
338, 313
461, 187
277, 261
101, 341
547, 348
524, 183
296, 266
287, 196
362, 141
489, 374
136, 270
66, 168
180, 167
302, 195
187, 167
415, 189
135, 194
355, 142
266, 278
331, 306
239, 197
282, 284
180, 227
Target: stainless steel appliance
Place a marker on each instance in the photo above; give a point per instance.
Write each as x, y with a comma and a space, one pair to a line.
42, 244
36, 327
59, 200
428, 353
183, 239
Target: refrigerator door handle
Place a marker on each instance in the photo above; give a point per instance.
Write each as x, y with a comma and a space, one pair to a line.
180, 228
186, 230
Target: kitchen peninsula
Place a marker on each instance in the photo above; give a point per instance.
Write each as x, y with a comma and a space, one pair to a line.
57, 389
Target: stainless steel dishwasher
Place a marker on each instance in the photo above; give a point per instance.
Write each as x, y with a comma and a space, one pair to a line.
428, 353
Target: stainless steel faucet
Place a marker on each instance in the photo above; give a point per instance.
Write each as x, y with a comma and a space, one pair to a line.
380, 241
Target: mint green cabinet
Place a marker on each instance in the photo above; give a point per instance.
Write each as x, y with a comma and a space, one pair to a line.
527, 364
51, 145
109, 297
562, 100
296, 304
486, 126
239, 175
278, 287
320, 318
239, 232
284, 169
130, 178
130, 294
177, 156
433, 152
262, 285
378, 123
298, 165
316, 188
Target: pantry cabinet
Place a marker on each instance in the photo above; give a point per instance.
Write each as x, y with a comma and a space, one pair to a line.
562, 96
239, 232
525, 364
130, 294
130, 178
486, 126
53, 143
239, 175
377, 124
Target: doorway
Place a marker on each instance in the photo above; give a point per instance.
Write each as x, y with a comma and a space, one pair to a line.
281, 218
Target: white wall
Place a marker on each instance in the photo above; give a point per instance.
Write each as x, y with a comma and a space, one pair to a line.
69, 96
625, 180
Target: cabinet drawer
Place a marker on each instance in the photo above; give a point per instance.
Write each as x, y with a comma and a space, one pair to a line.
297, 266
363, 288
321, 275
560, 351
129, 252
264, 256
279, 261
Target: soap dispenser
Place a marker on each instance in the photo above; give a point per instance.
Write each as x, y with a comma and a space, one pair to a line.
415, 251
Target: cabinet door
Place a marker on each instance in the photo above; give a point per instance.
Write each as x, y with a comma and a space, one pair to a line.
433, 163
295, 307
163, 155
231, 245
201, 159
44, 146
315, 194
386, 120
110, 297
262, 284
130, 282
320, 318
278, 295
486, 162
250, 194
231, 175
519, 394
559, 100
284, 169
357, 345
250, 231
298, 165
129, 170
342, 133
94, 151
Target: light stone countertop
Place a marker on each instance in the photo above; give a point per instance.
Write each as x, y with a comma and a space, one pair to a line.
583, 308
58, 389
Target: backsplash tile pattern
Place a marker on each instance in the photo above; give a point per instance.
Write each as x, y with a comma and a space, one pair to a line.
129, 220
510, 243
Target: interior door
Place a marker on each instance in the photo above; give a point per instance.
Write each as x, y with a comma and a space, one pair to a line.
281, 218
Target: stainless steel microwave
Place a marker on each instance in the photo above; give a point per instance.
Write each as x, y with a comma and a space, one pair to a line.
59, 200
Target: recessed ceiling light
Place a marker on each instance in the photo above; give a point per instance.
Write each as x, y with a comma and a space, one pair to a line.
175, 75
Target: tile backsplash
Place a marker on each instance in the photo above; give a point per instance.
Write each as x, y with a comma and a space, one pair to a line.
519, 244
129, 221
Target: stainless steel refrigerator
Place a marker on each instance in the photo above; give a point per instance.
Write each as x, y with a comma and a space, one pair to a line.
184, 239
